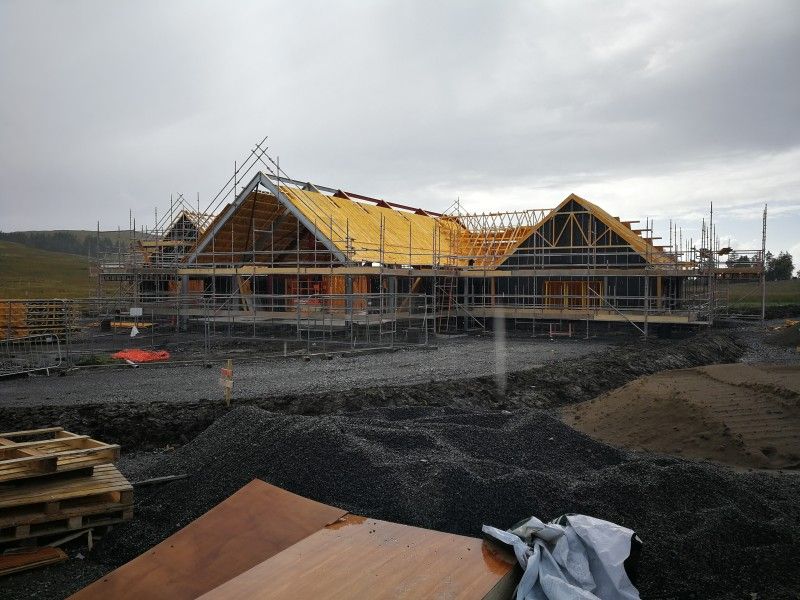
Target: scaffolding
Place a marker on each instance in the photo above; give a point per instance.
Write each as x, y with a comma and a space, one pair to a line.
271, 250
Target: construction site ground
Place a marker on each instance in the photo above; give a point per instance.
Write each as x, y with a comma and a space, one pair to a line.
435, 438
450, 359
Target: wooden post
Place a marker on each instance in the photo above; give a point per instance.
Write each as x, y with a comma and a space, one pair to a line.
660, 300
226, 381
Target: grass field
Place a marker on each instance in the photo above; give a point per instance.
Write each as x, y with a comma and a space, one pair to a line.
27, 272
749, 293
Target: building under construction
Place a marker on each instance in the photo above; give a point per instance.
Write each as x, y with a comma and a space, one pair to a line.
272, 252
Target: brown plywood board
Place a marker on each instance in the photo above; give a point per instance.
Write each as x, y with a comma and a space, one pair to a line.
30, 559
367, 558
254, 524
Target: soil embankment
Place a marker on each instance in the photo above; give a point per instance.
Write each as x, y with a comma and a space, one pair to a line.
741, 415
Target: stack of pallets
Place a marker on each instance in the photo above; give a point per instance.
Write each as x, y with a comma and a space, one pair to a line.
21, 318
54, 483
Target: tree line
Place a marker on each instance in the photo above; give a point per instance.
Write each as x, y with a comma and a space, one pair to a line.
61, 241
778, 268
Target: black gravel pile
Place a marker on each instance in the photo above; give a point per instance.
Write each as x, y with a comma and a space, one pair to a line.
568, 382
708, 532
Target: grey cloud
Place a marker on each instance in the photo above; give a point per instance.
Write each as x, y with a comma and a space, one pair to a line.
120, 104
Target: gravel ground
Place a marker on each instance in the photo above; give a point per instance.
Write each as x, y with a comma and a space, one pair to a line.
708, 532
455, 358
761, 348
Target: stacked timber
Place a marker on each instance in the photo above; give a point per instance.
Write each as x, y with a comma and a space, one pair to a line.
54, 483
23, 318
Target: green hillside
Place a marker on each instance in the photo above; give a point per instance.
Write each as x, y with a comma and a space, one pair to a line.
72, 241
27, 272
82, 234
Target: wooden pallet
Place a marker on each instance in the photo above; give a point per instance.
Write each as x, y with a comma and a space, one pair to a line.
38, 452
43, 506
17, 534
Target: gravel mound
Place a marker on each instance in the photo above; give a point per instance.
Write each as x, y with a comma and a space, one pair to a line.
708, 532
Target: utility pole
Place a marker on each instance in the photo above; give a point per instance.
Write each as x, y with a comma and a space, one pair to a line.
764, 266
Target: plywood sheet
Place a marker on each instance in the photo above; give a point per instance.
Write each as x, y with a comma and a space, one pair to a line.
255, 523
406, 238
366, 558
30, 558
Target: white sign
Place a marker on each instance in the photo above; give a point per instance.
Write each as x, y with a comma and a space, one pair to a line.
136, 311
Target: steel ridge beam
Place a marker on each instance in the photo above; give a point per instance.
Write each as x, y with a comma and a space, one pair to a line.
351, 195
265, 181
298, 183
276, 191
228, 214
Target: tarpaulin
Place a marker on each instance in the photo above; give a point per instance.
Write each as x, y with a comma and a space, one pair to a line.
573, 557
139, 356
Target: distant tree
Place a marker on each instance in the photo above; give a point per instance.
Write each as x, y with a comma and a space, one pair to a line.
779, 267
739, 261
61, 241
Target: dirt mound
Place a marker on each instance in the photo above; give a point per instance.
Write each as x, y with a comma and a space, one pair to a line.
708, 532
787, 337
741, 415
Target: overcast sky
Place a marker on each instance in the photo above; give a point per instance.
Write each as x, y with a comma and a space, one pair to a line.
650, 109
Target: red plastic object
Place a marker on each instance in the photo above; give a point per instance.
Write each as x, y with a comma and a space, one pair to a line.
140, 356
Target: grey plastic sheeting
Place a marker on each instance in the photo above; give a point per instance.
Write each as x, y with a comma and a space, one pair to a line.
583, 558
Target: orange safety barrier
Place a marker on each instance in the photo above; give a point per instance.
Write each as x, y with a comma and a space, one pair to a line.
140, 356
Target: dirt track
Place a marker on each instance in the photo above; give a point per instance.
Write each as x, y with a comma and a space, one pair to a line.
148, 423
741, 415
